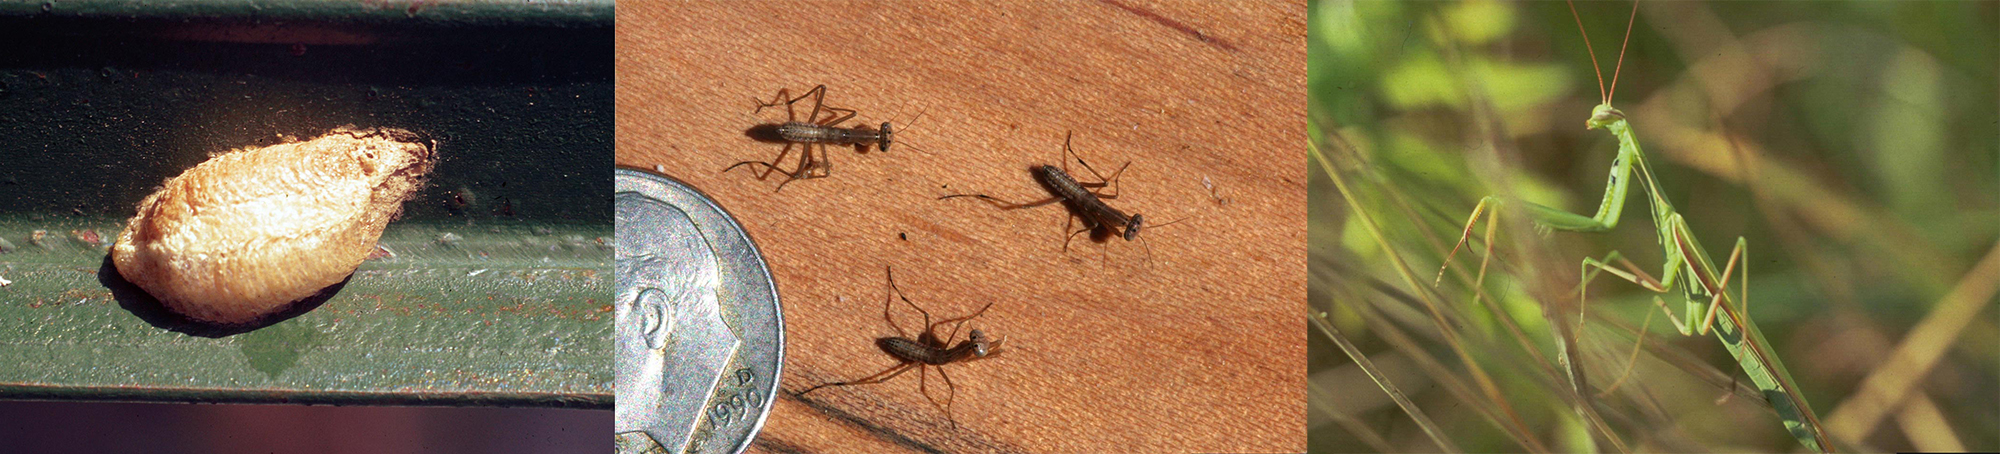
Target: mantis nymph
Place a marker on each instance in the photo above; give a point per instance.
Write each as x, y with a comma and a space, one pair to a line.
1709, 309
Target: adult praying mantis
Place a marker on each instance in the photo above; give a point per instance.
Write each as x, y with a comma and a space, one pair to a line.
1709, 309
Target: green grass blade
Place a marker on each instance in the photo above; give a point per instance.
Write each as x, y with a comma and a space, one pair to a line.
1513, 423
1416, 414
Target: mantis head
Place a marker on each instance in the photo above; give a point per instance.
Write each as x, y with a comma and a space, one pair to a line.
885, 136
981, 345
1604, 115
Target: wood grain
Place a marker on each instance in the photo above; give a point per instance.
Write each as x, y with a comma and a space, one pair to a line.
1195, 346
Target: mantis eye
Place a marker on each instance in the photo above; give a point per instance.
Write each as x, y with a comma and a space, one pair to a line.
981, 345
885, 136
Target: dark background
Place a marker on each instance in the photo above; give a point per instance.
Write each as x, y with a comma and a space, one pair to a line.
97, 112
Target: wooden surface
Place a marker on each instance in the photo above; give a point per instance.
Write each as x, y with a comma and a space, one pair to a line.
1198, 346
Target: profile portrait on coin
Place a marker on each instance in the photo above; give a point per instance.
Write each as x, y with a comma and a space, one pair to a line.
672, 342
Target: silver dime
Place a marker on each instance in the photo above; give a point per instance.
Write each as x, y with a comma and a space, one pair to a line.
700, 336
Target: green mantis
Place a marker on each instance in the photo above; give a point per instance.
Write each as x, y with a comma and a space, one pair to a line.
1709, 308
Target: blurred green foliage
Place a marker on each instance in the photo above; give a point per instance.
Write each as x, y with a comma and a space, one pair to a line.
1853, 144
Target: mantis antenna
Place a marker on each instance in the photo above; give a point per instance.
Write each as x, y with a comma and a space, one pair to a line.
1601, 92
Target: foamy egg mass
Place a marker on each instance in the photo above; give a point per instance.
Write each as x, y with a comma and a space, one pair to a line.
241, 236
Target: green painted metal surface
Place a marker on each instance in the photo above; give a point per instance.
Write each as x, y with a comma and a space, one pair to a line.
489, 314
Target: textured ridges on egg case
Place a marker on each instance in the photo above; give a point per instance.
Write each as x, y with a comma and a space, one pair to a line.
246, 233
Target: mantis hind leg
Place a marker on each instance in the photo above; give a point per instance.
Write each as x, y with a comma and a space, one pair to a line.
879, 377
768, 166
1741, 249
1722, 287
1003, 203
1684, 252
1088, 225
1630, 360
1102, 181
949, 391
1630, 273
886, 302
806, 166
